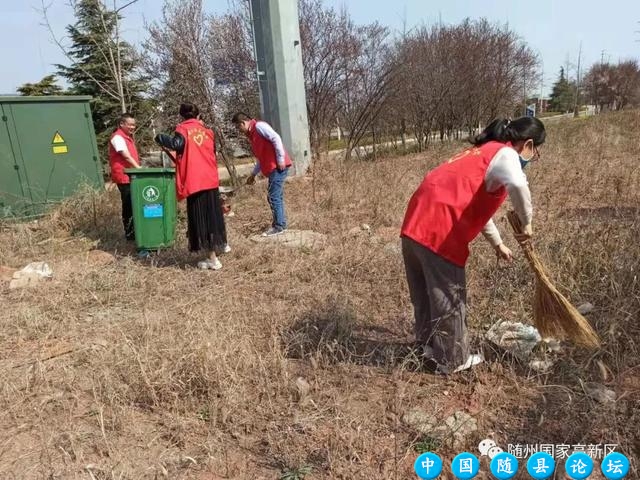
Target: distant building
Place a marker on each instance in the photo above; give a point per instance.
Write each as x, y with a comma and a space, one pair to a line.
542, 104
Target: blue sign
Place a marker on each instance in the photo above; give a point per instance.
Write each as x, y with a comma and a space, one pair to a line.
530, 110
578, 466
428, 466
465, 466
153, 210
541, 465
504, 466
615, 466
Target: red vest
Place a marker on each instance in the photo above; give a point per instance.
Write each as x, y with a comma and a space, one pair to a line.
264, 151
196, 167
117, 162
451, 206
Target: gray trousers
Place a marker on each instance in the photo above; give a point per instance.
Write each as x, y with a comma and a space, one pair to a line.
438, 294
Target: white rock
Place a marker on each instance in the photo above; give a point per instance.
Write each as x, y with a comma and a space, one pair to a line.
586, 308
455, 428
540, 365
599, 392
294, 239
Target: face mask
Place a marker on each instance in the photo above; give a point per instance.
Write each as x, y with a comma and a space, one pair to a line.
523, 161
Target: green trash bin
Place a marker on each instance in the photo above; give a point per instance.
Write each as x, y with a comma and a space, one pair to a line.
153, 200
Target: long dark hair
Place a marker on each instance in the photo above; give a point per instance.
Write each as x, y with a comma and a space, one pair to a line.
520, 129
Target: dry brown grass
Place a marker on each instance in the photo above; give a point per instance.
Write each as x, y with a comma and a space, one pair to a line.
553, 315
182, 374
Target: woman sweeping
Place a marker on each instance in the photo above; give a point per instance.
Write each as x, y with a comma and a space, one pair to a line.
454, 203
197, 181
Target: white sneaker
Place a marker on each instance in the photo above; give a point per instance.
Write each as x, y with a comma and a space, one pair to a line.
210, 265
472, 361
227, 249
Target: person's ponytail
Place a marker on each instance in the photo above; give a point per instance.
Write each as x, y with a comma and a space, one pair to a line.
503, 130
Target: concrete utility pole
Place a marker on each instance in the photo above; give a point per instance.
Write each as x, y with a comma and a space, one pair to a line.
276, 32
576, 106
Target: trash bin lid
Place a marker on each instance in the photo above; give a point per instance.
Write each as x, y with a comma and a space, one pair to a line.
143, 170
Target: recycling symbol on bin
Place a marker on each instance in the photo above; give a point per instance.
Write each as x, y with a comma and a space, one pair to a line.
150, 193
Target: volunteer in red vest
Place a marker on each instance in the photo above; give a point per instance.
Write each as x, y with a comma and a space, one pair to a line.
273, 163
197, 181
123, 154
453, 204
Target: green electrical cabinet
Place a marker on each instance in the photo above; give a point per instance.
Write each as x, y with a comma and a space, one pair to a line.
47, 150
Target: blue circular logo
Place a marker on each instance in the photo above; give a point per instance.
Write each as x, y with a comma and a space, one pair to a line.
541, 465
428, 466
578, 466
615, 465
465, 466
504, 466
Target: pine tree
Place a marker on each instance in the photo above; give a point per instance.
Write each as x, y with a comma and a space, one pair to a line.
46, 86
115, 84
562, 94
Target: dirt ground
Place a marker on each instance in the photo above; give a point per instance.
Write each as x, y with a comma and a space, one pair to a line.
295, 363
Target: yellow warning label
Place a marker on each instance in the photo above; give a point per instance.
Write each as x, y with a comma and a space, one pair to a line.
57, 138
60, 149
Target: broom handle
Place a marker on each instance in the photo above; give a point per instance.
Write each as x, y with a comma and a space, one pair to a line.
169, 154
514, 220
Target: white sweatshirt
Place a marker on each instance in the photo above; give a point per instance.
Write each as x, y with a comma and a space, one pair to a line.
119, 144
505, 171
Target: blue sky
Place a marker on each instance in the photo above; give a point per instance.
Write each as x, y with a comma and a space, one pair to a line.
553, 28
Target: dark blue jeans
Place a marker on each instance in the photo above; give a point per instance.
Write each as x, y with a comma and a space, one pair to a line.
275, 196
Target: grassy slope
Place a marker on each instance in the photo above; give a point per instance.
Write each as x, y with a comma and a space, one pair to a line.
179, 374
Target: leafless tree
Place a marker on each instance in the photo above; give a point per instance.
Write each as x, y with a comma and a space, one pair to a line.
455, 78
205, 59
323, 32
613, 87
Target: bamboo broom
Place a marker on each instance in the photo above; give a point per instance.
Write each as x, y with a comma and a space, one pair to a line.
553, 314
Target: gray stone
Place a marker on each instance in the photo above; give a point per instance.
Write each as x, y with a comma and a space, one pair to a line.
461, 425
552, 345
420, 420
540, 365
599, 392
354, 232
393, 248
295, 239
586, 308
455, 428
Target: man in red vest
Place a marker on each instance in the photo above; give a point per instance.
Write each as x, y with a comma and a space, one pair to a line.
452, 205
123, 154
273, 163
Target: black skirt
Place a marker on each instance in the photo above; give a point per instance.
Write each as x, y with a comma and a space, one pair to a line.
205, 221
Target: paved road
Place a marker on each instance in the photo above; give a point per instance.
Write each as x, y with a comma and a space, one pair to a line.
245, 169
